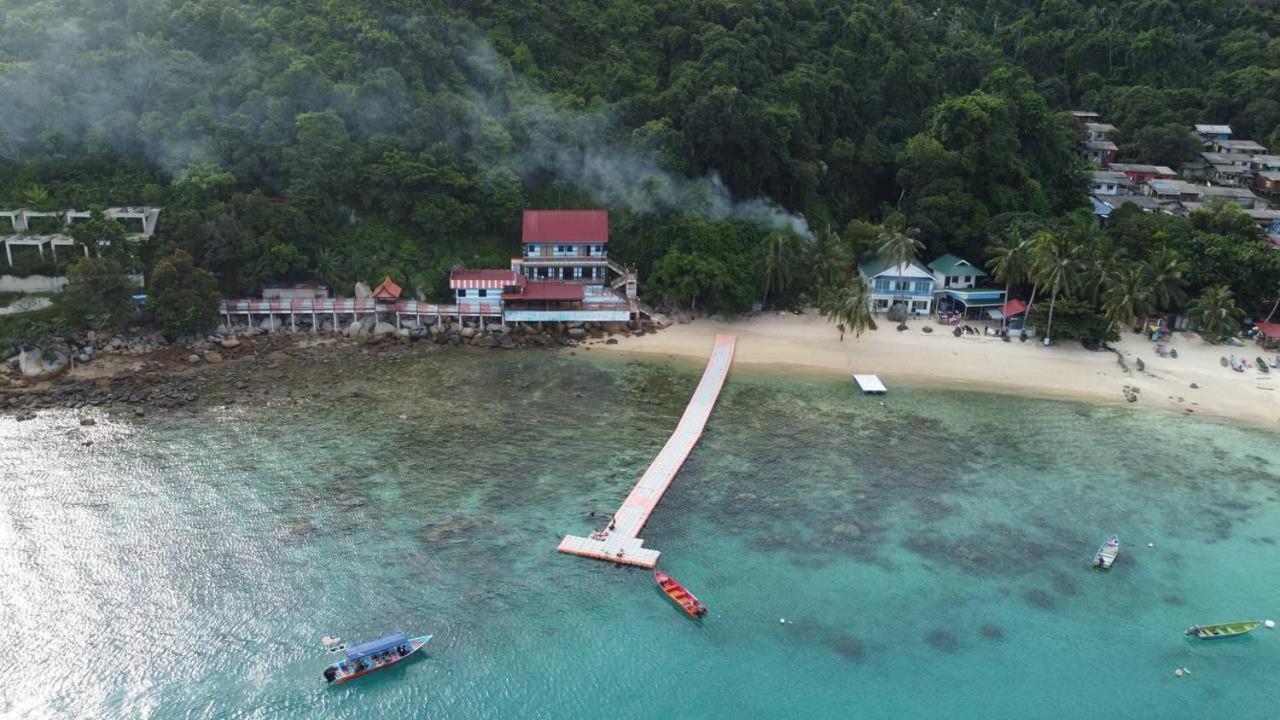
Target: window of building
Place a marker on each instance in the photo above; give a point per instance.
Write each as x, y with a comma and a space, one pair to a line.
577, 273
882, 304
530, 250
482, 293
462, 293
920, 305
882, 285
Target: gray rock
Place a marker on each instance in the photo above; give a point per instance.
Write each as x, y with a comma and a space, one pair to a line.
213, 356
404, 333
230, 343
193, 358
382, 328
363, 291
485, 342
468, 332
577, 333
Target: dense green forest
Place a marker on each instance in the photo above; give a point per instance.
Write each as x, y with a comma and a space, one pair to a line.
746, 150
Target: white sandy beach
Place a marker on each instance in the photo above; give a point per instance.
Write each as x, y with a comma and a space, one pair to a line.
809, 343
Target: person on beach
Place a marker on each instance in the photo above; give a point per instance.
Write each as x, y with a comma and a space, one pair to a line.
840, 327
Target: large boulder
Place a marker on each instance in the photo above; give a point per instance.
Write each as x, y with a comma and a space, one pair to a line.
353, 329
381, 329
485, 342
230, 343
363, 291
32, 363
577, 333
468, 332
213, 356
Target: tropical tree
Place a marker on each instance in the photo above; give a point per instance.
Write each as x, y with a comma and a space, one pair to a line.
1127, 297
850, 306
1057, 266
1010, 264
1216, 312
1099, 271
898, 245
1165, 279
99, 288
183, 295
777, 264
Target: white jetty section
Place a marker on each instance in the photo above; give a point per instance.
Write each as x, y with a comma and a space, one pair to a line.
870, 385
621, 542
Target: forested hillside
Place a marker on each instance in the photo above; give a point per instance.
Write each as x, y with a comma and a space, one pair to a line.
344, 139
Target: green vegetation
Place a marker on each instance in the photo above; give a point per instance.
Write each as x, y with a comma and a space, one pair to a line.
99, 292
343, 141
185, 297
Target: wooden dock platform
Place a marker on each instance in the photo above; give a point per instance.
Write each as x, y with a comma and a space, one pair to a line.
622, 544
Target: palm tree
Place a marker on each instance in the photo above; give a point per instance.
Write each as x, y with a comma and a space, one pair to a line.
1057, 263
1127, 297
1168, 287
1100, 271
1217, 313
777, 264
1038, 239
899, 246
1010, 263
850, 305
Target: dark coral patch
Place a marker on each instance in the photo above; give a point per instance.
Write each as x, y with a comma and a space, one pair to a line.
942, 641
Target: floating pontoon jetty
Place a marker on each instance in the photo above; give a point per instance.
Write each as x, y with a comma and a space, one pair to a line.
870, 384
621, 543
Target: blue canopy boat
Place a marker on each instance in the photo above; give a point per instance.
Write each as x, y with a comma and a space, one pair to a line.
373, 655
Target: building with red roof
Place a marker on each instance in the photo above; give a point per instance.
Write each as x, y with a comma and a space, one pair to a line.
1268, 335
563, 274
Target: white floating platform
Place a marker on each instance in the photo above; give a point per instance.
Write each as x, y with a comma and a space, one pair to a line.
870, 384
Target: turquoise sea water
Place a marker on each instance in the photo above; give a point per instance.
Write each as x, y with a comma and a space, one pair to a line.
930, 555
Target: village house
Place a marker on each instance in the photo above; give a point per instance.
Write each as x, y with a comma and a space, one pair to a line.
1209, 134
1248, 148
1265, 163
955, 287
1086, 116
1100, 152
1109, 182
1267, 183
1226, 168
1140, 173
910, 285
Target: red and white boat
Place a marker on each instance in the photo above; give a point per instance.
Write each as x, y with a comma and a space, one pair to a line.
692, 606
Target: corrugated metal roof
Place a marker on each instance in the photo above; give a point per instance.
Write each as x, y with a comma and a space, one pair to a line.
565, 226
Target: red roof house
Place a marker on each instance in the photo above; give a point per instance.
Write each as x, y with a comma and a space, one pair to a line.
565, 226
386, 290
1268, 334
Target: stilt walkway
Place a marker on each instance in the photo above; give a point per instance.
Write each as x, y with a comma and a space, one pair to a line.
622, 543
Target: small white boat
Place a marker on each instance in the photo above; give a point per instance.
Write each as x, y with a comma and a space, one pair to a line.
1106, 554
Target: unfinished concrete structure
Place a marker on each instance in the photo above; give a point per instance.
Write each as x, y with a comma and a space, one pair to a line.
21, 218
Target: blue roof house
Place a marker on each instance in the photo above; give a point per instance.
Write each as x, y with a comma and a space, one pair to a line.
909, 285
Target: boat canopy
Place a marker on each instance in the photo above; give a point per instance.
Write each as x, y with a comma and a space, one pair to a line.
373, 647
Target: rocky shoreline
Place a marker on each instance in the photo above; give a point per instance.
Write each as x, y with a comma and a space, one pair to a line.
143, 374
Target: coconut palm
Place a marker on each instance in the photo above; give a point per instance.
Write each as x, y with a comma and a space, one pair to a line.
899, 246
1216, 312
1057, 266
1127, 297
777, 264
1010, 264
850, 305
1168, 287
1099, 271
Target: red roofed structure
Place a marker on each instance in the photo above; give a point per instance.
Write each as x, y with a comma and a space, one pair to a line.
548, 291
565, 226
1268, 335
386, 290
1013, 308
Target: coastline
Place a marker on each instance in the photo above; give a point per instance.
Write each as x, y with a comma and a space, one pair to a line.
809, 344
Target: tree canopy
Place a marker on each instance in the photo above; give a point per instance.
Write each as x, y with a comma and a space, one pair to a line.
345, 140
